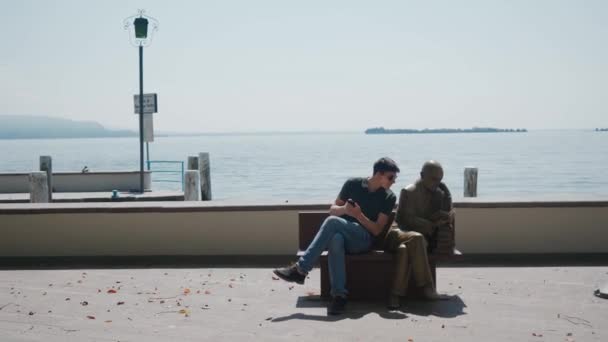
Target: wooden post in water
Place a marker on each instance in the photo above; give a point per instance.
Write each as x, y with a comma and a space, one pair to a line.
46, 165
192, 186
470, 182
204, 167
192, 163
39, 187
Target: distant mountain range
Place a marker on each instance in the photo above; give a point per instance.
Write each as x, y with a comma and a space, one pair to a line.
382, 130
44, 127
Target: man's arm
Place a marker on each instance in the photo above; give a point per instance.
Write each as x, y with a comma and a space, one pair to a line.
400, 216
338, 208
373, 227
341, 207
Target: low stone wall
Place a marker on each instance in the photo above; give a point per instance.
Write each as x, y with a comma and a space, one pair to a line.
208, 228
12, 183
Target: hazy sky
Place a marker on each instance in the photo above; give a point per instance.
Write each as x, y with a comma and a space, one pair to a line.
311, 65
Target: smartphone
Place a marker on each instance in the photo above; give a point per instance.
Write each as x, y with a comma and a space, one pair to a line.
351, 202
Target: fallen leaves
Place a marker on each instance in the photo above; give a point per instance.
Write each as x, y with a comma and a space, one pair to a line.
84, 303
111, 291
186, 291
184, 312
120, 303
91, 317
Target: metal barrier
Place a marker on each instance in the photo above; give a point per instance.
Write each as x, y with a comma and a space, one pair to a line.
165, 168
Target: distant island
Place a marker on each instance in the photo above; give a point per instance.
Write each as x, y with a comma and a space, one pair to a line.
382, 130
601, 129
44, 127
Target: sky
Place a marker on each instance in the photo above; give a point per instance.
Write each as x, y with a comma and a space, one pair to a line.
250, 66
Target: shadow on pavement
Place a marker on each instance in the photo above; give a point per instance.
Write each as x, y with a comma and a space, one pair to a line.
356, 309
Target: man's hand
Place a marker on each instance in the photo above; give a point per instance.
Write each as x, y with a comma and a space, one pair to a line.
352, 210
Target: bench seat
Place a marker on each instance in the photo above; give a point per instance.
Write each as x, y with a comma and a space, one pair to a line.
368, 275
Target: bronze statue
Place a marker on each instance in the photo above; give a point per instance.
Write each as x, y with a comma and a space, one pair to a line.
424, 215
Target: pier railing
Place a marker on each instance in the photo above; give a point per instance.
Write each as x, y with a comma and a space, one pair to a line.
169, 171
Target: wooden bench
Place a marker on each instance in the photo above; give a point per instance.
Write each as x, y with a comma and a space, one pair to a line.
368, 275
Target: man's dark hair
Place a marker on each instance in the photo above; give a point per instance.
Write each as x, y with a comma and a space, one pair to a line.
385, 165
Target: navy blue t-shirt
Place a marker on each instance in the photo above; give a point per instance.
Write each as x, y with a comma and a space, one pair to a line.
371, 203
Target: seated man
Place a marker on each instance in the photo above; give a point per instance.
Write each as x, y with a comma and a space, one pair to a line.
424, 208
360, 212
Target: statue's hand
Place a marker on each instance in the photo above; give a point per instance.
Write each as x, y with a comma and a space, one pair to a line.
452, 216
440, 223
436, 216
444, 215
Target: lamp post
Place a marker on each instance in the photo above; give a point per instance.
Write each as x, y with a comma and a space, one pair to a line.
140, 37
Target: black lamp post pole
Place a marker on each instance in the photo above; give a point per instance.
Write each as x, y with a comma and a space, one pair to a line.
141, 118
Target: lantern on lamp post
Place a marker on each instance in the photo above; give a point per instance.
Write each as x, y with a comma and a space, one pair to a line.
141, 29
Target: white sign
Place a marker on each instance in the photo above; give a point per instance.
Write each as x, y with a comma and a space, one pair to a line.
148, 128
150, 103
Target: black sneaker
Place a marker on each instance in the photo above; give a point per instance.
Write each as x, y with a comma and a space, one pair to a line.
290, 274
337, 306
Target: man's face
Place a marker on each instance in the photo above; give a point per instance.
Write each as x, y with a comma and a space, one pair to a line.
388, 179
432, 178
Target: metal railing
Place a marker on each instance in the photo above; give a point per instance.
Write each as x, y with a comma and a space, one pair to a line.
167, 168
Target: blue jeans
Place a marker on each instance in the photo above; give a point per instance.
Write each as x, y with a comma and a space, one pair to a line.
339, 236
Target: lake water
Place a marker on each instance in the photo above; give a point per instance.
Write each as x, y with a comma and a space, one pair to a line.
281, 167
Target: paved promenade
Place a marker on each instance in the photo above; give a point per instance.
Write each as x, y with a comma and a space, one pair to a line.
246, 304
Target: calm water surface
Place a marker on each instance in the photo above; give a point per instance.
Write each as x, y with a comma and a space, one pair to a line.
314, 166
